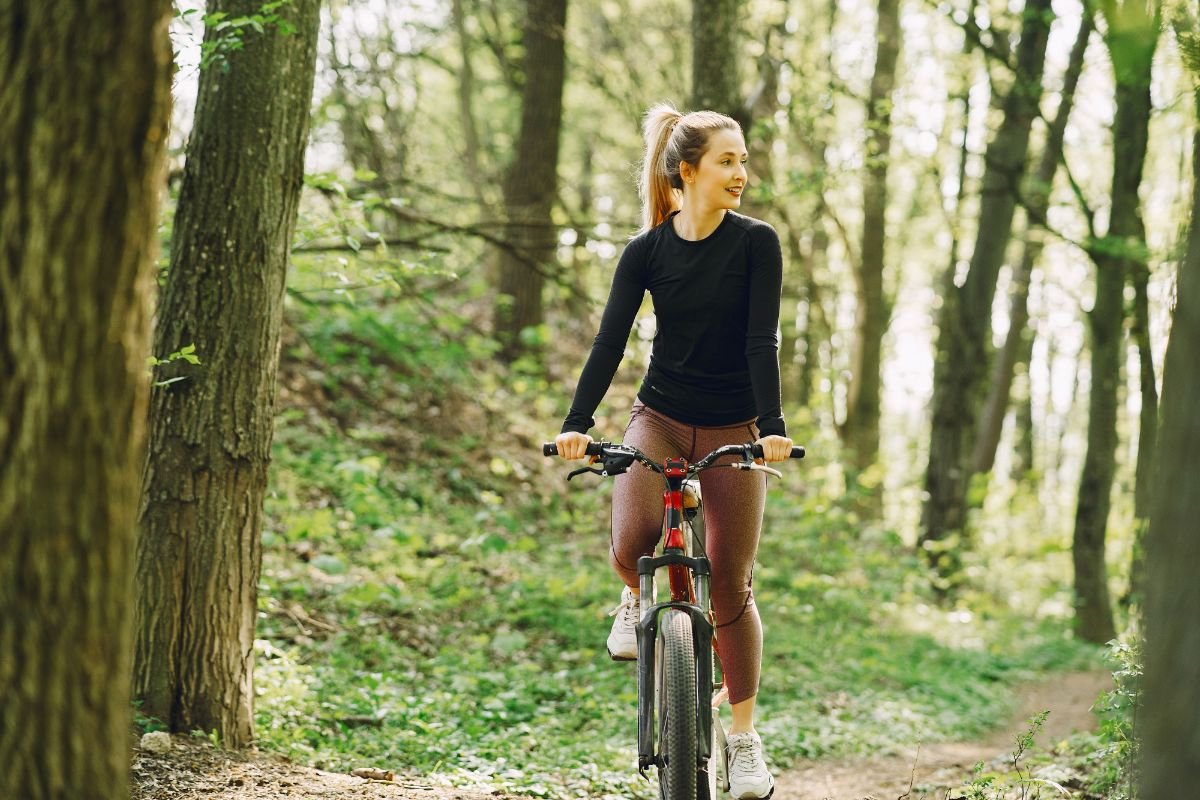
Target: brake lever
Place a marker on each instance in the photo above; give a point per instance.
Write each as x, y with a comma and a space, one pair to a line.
756, 467
582, 470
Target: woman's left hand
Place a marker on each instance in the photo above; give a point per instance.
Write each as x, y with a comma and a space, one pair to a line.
775, 448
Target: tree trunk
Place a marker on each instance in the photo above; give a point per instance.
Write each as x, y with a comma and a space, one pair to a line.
1170, 747
466, 105
964, 328
1147, 429
532, 183
1019, 338
1022, 397
1131, 49
210, 434
1093, 614
84, 93
716, 80
799, 351
860, 432
760, 134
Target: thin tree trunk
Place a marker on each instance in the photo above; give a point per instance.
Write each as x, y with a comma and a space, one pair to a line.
576, 304
1132, 53
466, 104
964, 326
799, 359
1022, 397
716, 79
1019, 338
84, 96
1147, 429
1170, 746
532, 183
817, 329
199, 551
801, 371
860, 431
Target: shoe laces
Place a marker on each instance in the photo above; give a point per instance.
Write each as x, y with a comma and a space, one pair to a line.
745, 755
628, 609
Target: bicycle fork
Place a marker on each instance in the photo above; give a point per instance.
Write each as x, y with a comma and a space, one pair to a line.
647, 628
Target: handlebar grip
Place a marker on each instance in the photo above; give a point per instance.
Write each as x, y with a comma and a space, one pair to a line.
593, 449
797, 451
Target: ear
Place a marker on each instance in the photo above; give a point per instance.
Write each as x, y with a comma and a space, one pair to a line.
687, 172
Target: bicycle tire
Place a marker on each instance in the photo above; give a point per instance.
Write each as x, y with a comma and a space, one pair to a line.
676, 702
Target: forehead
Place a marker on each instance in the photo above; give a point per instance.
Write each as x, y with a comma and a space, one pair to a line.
724, 142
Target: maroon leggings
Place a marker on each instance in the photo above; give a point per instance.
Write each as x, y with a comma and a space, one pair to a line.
733, 512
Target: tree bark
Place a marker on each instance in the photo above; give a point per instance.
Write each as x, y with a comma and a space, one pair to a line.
964, 328
1022, 398
1147, 429
760, 132
84, 96
1019, 338
716, 79
1170, 746
1131, 48
860, 431
199, 551
466, 105
532, 183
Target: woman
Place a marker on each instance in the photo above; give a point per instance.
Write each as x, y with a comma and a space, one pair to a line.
715, 279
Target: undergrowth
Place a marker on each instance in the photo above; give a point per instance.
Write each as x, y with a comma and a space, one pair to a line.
434, 600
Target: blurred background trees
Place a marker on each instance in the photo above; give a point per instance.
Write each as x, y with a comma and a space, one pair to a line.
984, 207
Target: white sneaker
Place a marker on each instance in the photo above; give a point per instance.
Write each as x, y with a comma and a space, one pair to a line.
748, 775
622, 641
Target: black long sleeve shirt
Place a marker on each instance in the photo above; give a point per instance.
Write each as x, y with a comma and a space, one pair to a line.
715, 357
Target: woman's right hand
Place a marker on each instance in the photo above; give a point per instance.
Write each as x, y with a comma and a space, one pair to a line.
572, 445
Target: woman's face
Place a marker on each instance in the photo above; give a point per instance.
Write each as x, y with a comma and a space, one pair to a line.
719, 178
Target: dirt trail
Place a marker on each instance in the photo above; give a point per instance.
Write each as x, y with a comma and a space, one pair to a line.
194, 770
1068, 697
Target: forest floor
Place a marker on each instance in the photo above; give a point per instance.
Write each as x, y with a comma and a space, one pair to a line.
193, 769
929, 770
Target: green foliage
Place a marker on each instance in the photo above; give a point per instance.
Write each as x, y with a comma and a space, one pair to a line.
432, 605
1017, 782
186, 353
143, 723
1113, 764
226, 34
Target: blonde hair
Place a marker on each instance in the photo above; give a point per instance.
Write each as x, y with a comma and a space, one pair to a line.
671, 139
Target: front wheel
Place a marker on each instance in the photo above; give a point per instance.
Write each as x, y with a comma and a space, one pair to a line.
675, 680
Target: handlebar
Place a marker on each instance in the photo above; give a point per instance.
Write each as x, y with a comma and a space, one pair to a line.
599, 449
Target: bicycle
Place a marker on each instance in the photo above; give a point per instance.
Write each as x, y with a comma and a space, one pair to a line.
675, 639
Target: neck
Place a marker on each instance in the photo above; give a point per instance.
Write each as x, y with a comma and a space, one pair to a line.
694, 222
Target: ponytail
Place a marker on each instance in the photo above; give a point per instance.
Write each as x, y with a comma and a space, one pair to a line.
671, 139
656, 189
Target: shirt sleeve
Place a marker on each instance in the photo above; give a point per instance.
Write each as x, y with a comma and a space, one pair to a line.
762, 335
624, 300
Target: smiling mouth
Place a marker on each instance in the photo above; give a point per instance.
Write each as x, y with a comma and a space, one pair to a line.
736, 191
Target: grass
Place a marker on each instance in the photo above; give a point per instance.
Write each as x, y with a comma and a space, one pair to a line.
409, 628
432, 608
